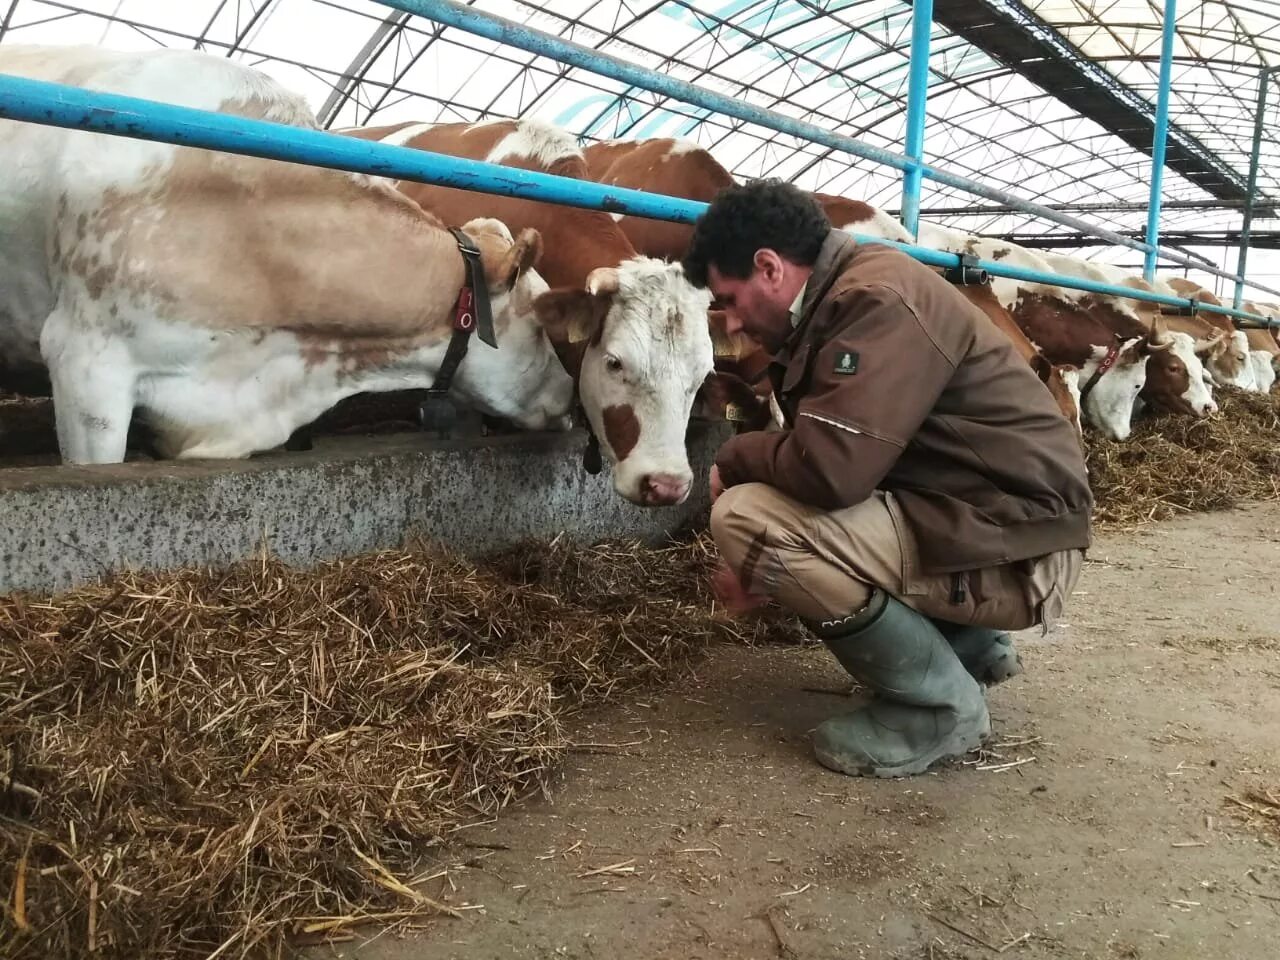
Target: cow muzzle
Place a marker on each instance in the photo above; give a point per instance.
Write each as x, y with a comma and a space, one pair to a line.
664, 489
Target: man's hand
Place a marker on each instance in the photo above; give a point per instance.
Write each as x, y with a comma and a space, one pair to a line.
717, 487
732, 595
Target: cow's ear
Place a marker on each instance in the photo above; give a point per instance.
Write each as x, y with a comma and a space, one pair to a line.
503, 257
573, 320
603, 281
572, 316
726, 345
523, 255
723, 396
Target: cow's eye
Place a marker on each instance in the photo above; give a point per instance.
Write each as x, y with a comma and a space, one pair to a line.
612, 363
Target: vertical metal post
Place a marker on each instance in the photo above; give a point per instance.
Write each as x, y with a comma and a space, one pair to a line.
1161, 135
917, 95
1264, 78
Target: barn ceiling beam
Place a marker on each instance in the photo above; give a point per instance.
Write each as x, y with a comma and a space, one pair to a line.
992, 210
1258, 239
1014, 36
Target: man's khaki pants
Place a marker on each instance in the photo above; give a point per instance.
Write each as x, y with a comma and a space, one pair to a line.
823, 565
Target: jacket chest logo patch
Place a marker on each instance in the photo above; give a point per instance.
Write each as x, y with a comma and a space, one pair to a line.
847, 362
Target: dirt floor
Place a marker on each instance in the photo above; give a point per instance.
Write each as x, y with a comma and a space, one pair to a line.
695, 823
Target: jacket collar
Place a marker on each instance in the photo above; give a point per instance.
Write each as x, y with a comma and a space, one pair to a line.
837, 250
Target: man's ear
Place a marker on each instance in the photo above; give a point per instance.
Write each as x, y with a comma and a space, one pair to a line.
768, 263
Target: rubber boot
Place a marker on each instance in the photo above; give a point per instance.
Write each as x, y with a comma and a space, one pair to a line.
987, 654
928, 707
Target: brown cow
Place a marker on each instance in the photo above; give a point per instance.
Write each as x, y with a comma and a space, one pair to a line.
679, 168
1175, 376
1192, 290
1225, 355
1058, 378
675, 168
632, 330
1258, 340
1071, 327
855, 216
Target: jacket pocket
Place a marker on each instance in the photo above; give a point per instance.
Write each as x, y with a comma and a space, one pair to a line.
1055, 578
1050, 609
913, 582
998, 597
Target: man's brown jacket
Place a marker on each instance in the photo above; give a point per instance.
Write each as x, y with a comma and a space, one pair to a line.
893, 380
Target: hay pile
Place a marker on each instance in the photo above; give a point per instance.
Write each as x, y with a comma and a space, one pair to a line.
243, 759
1175, 465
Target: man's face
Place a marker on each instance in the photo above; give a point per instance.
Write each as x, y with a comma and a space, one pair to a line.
758, 305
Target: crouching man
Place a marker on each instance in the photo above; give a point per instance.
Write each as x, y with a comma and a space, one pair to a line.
925, 495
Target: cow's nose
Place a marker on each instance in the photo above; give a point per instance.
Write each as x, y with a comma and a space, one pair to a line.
663, 489
1209, 409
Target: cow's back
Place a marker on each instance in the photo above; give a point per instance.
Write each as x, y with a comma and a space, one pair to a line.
674, 168
55, 180
575, 240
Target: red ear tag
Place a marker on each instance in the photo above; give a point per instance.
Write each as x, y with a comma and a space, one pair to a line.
464, 318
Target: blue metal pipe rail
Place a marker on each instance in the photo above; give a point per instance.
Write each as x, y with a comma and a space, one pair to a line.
58, 105
37, 101
917, 97
1161, 138
502, 30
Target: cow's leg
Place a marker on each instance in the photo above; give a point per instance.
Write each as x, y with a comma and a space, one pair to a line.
93, 381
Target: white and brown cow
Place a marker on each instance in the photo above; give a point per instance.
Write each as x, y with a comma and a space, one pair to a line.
1264, 347
641, 344
1077, 343
1062, 380
1257, 339
1222, 350
676, 168
1264, 370
1266, 355
229, 299
1175, 382
1225, 354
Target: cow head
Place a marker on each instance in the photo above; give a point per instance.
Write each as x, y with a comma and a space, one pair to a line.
1109, 405
1176, 382
638, 344
1065, 391
1226, 357
522, 380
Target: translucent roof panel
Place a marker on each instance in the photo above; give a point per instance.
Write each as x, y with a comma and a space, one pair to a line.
842, 64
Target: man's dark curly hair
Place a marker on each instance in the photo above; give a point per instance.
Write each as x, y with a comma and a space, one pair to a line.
744, 219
